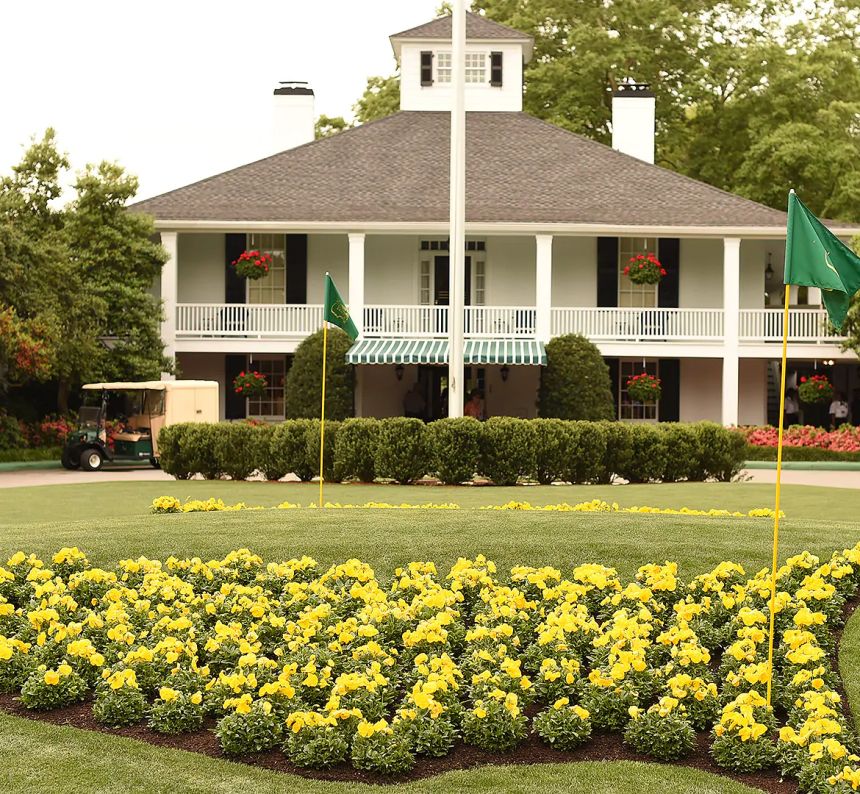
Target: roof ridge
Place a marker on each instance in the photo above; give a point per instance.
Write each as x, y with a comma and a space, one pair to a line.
617, 153
473, 15
242, 166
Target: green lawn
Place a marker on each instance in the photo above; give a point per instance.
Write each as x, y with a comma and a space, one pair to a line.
110, 521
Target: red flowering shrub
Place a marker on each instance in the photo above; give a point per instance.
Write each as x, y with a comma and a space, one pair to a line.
817, 389
644, 269
844, 439
252, 264
250, 384
644, 388
25, 349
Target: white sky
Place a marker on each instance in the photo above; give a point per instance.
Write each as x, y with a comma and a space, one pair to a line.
180, 90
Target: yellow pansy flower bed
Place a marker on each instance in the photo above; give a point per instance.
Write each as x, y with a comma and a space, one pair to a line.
347, 664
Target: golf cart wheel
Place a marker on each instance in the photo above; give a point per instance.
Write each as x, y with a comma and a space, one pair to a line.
68, 462
155, 463
91, 459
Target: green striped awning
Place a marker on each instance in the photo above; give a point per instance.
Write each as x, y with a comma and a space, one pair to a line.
504, 351
435, 351
398, 351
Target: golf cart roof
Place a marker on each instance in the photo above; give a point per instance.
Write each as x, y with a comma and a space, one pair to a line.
153, 385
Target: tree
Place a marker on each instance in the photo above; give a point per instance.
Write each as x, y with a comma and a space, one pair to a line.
305, 377
381, 98
575, 382
326, 126
78, 276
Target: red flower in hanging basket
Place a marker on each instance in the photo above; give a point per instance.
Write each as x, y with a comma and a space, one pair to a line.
252, 264
817, 389
644, 269
250, 384
644, 388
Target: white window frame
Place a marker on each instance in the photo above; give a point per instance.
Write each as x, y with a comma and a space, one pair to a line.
262, 291
253, 405
476, 68
426, 271
630, 295
628, 410
443, 64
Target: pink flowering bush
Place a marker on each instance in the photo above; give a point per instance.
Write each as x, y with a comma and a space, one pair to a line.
844, 439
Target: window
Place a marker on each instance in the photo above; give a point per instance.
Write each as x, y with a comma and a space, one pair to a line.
424, 283
496, 69
627, 408
443, 67
271, 288
630, 294
426, 68
271, 404
476, 67
475, 249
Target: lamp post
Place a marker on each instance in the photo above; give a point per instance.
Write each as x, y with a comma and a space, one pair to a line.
457, 209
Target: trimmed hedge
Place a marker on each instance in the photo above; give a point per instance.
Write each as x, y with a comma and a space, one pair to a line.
503, 449
806, 454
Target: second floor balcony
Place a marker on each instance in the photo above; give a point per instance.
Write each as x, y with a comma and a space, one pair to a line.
203, 321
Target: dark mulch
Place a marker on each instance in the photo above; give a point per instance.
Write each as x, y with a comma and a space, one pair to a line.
602, 747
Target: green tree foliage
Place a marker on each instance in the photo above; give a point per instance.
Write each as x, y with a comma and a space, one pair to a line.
326, 126
78, 274
305, 377
748, 98
381, 98
575, 383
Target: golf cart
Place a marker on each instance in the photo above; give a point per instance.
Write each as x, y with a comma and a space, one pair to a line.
120, 422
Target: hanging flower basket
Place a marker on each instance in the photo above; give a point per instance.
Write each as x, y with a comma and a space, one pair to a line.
644, 269
250, 384
644, 388
253, 264
817, 389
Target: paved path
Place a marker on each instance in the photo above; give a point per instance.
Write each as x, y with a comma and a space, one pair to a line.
832, 479
58, 476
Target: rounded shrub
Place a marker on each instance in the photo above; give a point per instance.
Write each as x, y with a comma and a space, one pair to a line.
648, 454
288, 449
305, 376
455, 448
312, 447
507, 450
266, 461
171, 451
619, 450
236, 449
684, 458
722, 451
198, 449
551, 439
586, 459
575, 382
401, 451
355, 450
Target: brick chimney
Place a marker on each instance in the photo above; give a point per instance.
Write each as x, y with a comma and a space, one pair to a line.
292, 115
633, 120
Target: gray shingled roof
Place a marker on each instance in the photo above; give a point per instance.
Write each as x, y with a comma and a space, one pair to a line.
477, 27
519, 170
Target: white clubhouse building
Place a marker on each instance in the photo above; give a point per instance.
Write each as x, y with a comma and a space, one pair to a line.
551, 220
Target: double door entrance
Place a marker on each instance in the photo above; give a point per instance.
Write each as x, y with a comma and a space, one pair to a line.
442, 284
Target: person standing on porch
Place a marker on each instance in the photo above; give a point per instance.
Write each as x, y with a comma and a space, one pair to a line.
474, 406
792, 408
838, 411
414, 404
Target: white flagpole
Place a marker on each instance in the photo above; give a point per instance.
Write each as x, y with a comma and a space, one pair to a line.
457, 234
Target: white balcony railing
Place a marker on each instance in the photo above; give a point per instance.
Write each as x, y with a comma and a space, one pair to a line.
804, 325
246, 320
625, 324
423, 321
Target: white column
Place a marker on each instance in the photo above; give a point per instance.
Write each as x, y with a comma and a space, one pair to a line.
457, 208
731, 322
356, 279
543, 285
169, 289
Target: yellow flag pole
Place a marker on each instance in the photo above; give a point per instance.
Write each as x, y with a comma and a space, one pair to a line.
778, 483
322, 412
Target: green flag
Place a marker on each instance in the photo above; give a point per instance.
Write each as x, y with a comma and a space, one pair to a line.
815, 257
335, 311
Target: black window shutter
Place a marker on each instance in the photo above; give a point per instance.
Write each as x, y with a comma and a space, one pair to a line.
234, 285
426, 68
297, 268
613, 365
607, 271
496, 68
669, 370
234, 404
669, 254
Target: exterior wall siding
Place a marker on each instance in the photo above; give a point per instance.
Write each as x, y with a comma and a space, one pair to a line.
574, 271
701, 380
752, 391
327, 252
701, 274
201, 268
